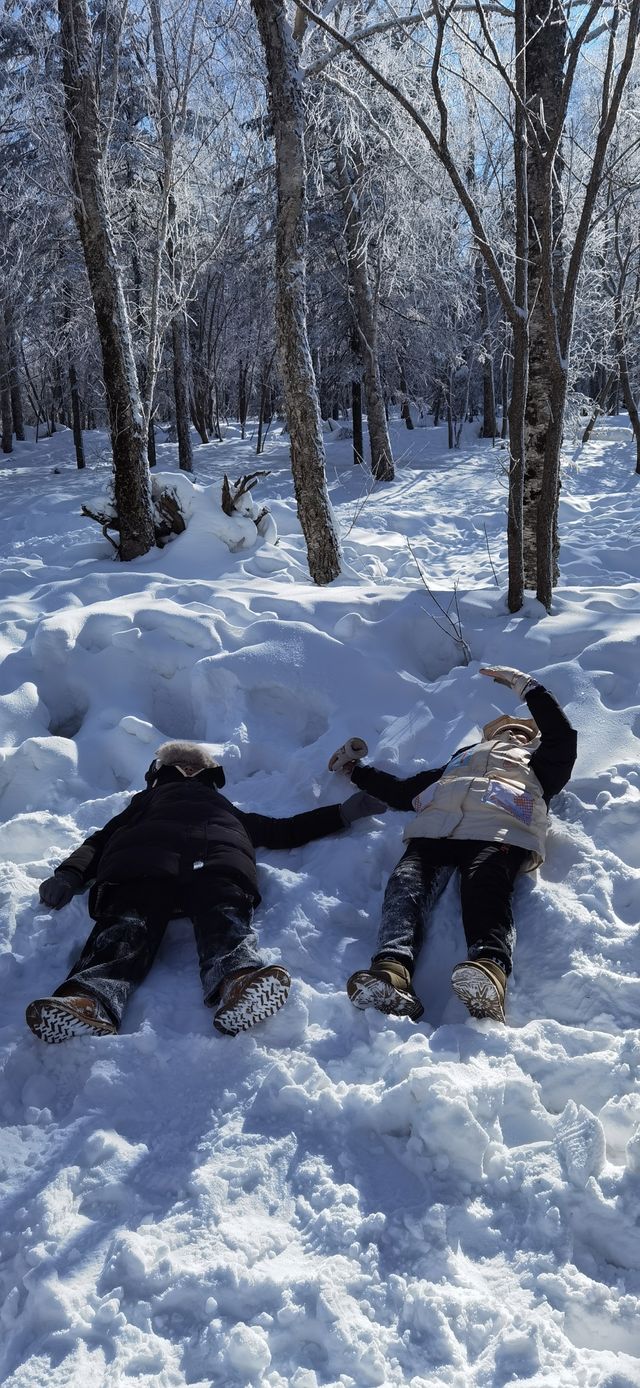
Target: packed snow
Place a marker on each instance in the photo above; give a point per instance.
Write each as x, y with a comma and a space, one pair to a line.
338, 1197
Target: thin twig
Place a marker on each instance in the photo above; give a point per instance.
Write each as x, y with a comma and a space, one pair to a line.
486, 537
455, 624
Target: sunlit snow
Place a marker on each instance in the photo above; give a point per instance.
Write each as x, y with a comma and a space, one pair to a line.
337, 1198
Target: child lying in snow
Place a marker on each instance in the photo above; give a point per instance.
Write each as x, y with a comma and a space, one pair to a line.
484, 813
180, 848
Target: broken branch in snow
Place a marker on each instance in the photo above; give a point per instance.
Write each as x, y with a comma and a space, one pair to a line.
241, 487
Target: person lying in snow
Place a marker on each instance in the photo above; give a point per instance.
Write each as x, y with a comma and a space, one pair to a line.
180, 848
484, 813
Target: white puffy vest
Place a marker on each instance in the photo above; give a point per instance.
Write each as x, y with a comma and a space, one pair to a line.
488, 792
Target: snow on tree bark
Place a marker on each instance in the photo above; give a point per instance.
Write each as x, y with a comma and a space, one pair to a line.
179, 337
301, 396
546, 47
126, 416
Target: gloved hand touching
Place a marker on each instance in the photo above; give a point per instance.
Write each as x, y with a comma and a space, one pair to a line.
348, 756
360, 805
58, 890
513, 679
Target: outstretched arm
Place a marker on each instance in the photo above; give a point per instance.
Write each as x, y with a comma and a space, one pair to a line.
397, 794
299, 829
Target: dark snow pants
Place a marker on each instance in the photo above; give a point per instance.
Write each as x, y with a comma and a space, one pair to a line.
487, 875
130, 926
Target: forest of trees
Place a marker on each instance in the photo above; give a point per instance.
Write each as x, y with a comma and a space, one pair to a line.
230, 209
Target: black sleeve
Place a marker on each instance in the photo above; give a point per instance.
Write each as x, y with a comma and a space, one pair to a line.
84, 860
294, 831
554, 759
397, 794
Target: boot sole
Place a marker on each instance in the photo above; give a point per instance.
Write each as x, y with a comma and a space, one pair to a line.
55, 1021
262, 996
365, 990
478, 992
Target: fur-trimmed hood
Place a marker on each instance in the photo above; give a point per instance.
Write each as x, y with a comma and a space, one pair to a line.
188, 754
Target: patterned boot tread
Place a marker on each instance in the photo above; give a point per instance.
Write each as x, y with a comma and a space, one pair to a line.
252, 998
481, 996
58, 1019
368, 990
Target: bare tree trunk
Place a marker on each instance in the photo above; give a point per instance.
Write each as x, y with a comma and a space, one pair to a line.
75, 415
625, 382
356, 419
179, 339
599, 404
181, 390
615, 76
243, 403
303, 413
519, 325
504, 382
546, 47
489, 427
437, 407
5, 390
126, 416
365, 315
14, 374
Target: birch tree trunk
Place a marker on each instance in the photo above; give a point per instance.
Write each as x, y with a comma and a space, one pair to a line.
179, 338
364, 309
303, 412
615, 75
126, 416
546, 47
519, 323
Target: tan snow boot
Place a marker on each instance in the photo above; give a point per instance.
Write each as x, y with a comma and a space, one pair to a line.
386, 985
251, 997
59, 1018
482, 986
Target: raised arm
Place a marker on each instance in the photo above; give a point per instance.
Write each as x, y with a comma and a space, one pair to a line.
553, 761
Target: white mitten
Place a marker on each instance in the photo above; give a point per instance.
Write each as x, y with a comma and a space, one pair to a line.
348, 755
520, 683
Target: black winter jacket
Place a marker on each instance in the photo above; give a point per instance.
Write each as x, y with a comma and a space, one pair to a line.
552, 762
182, 822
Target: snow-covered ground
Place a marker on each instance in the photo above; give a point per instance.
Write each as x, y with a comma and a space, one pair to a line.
337, 1198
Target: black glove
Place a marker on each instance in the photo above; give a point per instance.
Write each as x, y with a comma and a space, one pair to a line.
360, 805
58, 890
